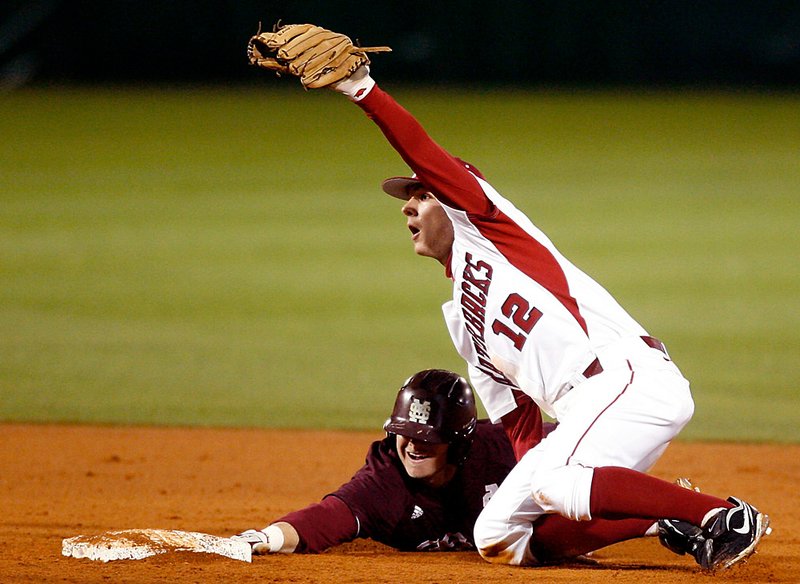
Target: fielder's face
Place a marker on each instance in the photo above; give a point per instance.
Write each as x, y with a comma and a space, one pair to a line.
425, 461
431, 229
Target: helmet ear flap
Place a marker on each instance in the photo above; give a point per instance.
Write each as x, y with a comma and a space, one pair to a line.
458, 451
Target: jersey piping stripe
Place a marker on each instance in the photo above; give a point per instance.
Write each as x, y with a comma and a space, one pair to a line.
529, 256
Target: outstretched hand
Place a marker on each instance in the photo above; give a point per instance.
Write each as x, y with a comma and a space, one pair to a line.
258, 540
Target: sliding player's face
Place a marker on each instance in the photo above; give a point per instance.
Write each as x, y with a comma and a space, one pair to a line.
424, 460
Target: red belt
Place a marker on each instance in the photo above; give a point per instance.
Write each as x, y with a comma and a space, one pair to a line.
654, 343
595, 368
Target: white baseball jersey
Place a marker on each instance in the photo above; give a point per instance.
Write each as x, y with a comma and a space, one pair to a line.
522, 309
522, 316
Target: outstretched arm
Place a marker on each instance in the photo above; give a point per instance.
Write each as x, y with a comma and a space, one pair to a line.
323, 58
444, 174
310, 530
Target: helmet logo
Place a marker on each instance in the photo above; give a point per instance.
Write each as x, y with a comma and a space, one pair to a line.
419, 411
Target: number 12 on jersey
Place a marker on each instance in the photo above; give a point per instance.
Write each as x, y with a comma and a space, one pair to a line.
523, 317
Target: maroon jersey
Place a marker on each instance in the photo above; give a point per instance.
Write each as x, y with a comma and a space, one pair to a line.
392, 508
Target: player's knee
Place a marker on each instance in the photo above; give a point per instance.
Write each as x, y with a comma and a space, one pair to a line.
565, 490
486, 538
499, 541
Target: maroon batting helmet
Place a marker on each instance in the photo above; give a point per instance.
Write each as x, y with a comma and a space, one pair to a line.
436, 406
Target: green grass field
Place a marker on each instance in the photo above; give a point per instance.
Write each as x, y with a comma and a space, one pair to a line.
225, 257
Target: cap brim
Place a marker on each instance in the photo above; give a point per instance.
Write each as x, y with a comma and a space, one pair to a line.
399, 186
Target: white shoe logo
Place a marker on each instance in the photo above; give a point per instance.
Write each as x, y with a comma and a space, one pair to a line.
745, 528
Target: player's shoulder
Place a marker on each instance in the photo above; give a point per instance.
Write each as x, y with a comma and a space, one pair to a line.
382, 453
381, 466
491, 436
491, 452
486, 429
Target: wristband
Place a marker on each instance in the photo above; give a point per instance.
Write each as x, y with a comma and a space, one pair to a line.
357, 86
275, 538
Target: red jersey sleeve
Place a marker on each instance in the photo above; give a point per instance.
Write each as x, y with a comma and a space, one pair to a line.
523, 425
442, 173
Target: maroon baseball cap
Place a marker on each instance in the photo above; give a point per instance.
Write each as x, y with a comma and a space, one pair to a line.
400, 186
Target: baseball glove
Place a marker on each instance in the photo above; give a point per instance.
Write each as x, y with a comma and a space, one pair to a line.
319, 57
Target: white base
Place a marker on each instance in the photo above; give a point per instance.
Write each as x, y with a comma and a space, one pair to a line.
135, 544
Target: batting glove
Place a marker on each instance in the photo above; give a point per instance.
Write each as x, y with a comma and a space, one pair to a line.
257, 538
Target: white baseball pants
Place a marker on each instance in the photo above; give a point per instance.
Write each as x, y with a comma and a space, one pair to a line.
624, 416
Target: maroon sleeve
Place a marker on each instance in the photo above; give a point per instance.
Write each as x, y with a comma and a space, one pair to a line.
523, 425
323, 525
437, 169
371, 504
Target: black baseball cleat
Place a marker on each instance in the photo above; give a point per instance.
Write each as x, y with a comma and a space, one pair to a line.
732, 535
681, 538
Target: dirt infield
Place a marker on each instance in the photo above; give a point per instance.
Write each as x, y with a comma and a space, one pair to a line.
61, 481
